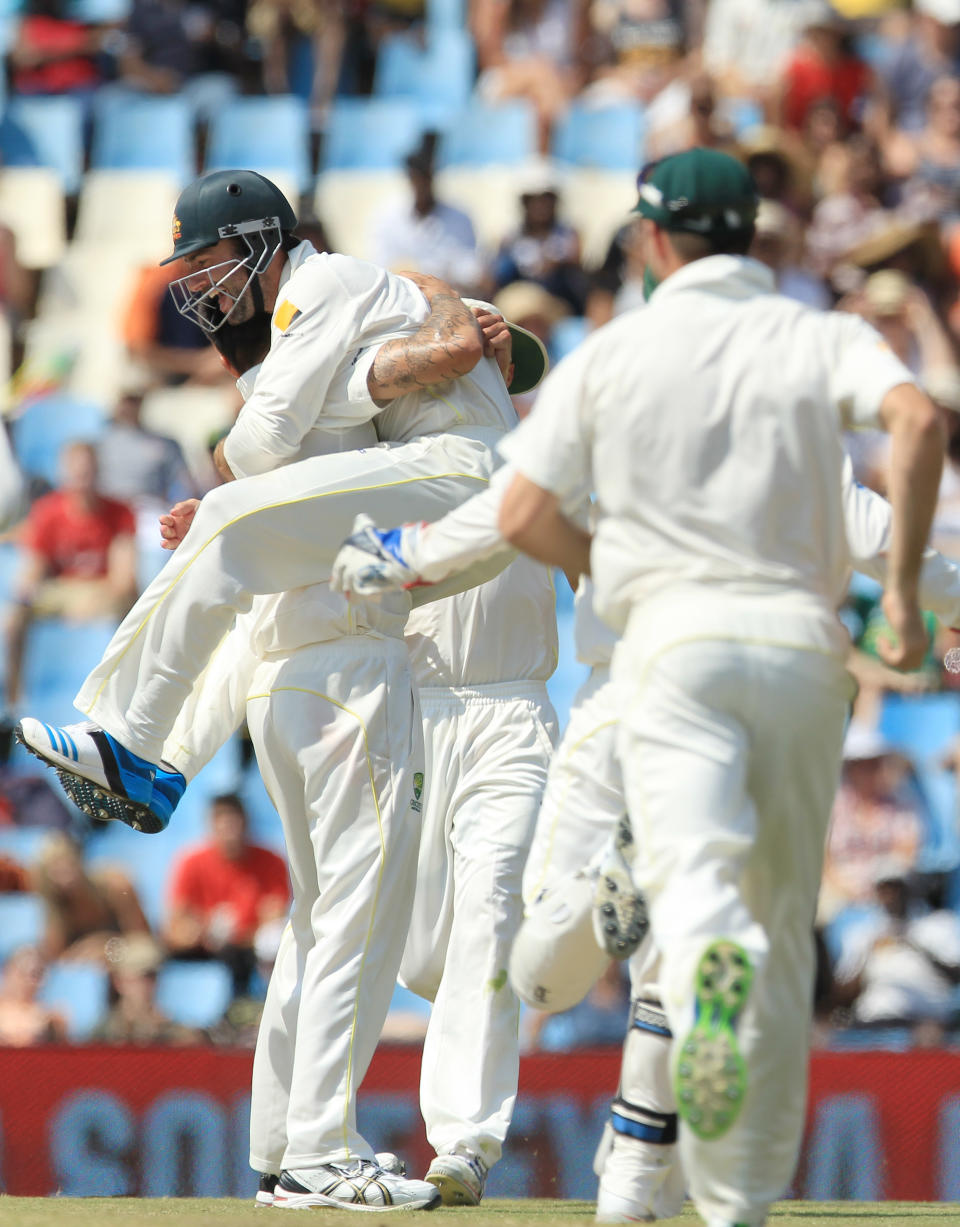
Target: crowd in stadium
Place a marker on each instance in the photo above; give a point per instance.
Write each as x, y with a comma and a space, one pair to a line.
849, 119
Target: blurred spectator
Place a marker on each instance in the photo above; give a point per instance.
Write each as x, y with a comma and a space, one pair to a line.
530, 49
79, 558
218, 37
222, 892
53, 54
27, 799
302, 44
144, 469
532, 307
920, 46
877, 816
780, 165
421, 233
545, 249
852, 208
824, 65
900, 966
151, 50
170, 348
747, 43
85, 910
685, 115
25, 1021
637, 47
777, 244
241, 1021
600, 1019
929, 160
134, 1017
617, 285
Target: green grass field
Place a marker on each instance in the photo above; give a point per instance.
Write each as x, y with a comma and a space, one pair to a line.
197, 1212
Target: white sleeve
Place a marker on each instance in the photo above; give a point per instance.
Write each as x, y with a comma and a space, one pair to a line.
868, 521
11, 483
312, 332
465, 535
863, 370
552, 447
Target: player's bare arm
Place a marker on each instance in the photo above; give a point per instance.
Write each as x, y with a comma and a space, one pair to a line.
917, 459
532, 521
447, 345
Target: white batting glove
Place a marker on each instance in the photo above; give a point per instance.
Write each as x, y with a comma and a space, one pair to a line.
373, 561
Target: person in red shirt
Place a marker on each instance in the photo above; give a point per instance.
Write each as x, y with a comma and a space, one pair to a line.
824, 67
79, 558
222, 892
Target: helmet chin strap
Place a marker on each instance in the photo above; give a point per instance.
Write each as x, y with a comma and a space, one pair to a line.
257, 294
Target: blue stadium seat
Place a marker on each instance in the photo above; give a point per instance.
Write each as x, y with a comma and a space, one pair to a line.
46, 425
60, 655
45, 132
134, 131
79, 991
370, 133
438, 75
194, 994
21, 922
490, 135
924, 726
265, 134
603, 138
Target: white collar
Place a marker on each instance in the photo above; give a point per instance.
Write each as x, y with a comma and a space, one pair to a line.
730, 276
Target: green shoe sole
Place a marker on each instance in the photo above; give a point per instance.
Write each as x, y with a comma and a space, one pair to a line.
711, 1076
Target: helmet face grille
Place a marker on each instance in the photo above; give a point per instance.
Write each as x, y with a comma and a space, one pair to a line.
198, 295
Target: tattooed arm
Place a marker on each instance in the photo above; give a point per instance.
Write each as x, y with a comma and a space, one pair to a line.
446, 345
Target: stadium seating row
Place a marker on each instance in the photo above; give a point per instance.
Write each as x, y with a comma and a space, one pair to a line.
272, 134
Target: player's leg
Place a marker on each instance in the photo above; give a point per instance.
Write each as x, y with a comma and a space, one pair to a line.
265, 534
555, 959
273, 1066
470, 1062
718, 891
337, 731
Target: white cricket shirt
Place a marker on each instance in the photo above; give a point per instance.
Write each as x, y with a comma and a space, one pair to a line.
709, 426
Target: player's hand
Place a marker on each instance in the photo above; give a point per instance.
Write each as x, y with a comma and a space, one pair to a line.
373, 561
174, 525
907, 647
497, 341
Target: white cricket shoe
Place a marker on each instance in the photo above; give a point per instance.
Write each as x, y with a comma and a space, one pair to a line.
620, 920
635, 1180
459, 1178
359, 1185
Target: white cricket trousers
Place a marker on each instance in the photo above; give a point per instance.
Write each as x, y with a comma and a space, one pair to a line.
731, 752
338, 737
582, 804
487, 752
263, 534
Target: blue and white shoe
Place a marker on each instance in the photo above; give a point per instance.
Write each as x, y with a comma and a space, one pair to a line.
101, 777
461, 1178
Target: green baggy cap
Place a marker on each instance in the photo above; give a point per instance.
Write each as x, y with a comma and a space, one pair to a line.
700, 191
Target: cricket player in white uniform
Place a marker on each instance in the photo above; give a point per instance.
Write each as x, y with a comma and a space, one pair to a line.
712, 439
556, 957
330, 317
720, 508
